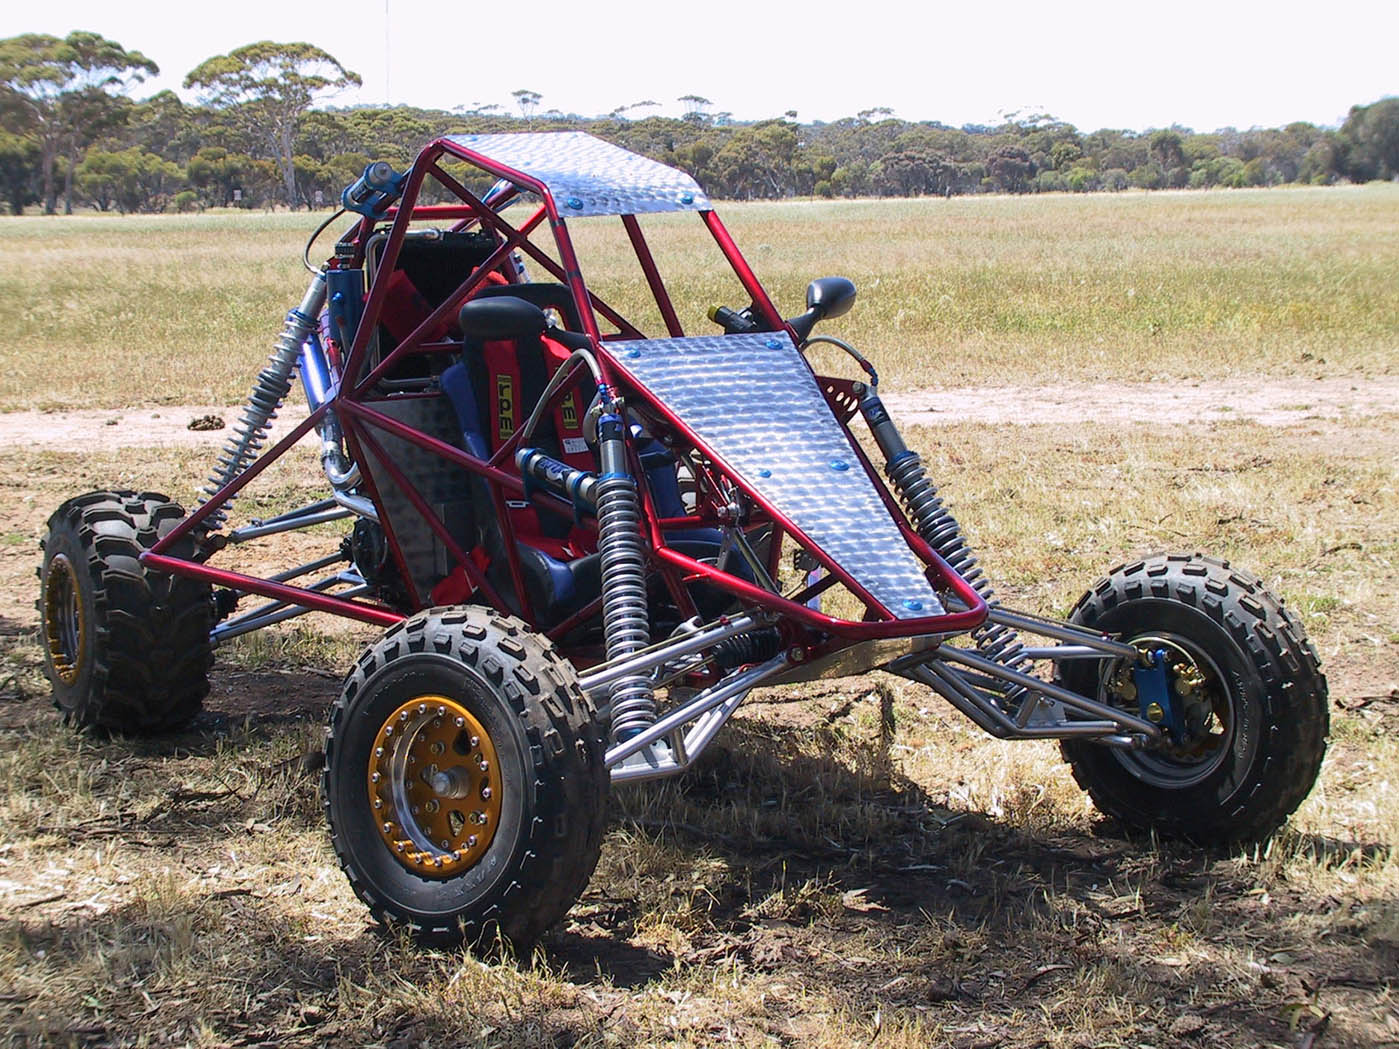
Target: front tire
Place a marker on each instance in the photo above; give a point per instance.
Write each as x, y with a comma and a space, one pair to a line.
1247, 684
127, 650
465, 784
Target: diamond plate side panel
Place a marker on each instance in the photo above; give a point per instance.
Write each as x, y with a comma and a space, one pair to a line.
588, 176
445, 486
754, 402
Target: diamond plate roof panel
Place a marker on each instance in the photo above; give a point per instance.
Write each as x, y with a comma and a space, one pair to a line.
587, 176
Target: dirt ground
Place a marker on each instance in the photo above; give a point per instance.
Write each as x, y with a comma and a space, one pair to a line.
1271, 402
848, 866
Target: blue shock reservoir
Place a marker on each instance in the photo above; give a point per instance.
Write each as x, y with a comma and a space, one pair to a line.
315, 372
374, 191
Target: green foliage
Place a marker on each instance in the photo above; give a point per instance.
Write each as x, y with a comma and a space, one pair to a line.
272, 85
130, 180
256, 132
60, 91
1370, 141
19, 171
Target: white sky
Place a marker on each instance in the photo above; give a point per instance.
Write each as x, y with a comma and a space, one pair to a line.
1094, 64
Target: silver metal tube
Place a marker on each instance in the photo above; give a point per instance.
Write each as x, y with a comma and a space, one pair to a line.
562, 375
247, 624
961, 696
948, 684
597, 680
313, 566
1053, 691
320, 584
242, 535
735, 684
1061, 632
1065, 652
358, 504
300, 511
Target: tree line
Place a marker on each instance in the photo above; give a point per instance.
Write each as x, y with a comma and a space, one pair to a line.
71, 134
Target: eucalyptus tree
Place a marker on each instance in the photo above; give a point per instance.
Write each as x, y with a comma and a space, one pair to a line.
272, 85
63, 91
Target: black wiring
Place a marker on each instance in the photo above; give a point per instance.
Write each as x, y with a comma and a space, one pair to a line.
306, 251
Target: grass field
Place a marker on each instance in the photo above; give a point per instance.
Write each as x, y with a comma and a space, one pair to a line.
832, 876
1056, 288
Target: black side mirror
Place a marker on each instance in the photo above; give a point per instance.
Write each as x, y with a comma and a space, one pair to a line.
826, 297
499, 318
833, 296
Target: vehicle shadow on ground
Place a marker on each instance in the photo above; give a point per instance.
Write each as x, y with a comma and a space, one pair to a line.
821, 866
914, 904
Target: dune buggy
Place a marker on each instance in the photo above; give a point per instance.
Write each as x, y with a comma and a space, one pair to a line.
587, 544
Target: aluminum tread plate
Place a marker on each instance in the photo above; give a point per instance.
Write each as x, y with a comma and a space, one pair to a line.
588, 176
754, 403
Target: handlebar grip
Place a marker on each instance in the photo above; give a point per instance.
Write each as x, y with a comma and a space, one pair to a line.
733, 322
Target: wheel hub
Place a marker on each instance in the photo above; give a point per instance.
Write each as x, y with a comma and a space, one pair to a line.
435, 786
65, 626
1199, 694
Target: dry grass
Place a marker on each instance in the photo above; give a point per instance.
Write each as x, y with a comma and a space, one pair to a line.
829, 877
1130, 286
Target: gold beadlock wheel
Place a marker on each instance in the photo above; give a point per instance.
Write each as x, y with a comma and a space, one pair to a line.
65, 625
461, 724
435, 786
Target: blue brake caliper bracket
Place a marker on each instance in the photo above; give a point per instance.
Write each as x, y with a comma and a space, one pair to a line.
1152, 691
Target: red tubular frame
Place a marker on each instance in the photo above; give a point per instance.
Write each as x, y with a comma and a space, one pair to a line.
351, 398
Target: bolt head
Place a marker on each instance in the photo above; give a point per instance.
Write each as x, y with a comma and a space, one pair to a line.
485, 793
460, 722
471, 841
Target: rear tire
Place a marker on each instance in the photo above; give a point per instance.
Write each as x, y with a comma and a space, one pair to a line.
126, 649
504, 851
1252, 689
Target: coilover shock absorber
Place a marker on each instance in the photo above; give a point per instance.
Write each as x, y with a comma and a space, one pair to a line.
270, 389
625, 620
935, 523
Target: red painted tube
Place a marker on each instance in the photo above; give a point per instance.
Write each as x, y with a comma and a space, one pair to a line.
949, 623
238, 483
653, 276
743, 271
293, 595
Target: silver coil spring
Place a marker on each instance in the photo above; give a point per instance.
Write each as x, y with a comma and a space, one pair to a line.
941, 531
625, 622
249, 434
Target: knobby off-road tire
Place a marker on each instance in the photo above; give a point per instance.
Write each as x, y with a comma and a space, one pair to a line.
440, 680
127, 650
1260, 674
